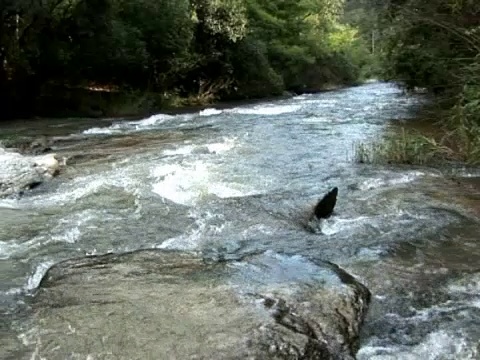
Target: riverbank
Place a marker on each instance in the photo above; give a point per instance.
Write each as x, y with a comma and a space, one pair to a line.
133, 105
431, 137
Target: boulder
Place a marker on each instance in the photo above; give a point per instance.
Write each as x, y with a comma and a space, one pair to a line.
46, 165
21, 173
175, 305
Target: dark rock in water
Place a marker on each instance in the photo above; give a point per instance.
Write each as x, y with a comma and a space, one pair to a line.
40, 145
174, 305
325, 206
28, 146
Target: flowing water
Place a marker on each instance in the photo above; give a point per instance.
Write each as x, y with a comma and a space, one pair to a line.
243, 180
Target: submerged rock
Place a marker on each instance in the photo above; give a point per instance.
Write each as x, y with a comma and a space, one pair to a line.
174, 305
28, 146
21, 173
38, 146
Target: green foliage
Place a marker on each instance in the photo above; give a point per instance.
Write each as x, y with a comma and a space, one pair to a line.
463, 124
434, 45
428, 44
224, 18
408, 147
252, 71
365, 17
200, 50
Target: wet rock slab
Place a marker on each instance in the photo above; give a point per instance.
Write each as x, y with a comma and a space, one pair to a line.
173, 305
24, 172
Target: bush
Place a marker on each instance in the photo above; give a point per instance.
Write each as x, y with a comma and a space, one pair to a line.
405, 148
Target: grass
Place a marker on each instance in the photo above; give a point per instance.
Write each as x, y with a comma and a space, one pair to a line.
452, 134
413, 148
463, 125
406, 147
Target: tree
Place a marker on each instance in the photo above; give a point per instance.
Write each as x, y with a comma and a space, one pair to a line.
197, 49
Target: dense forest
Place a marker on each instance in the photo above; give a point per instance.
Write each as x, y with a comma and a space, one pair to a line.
117, 57
145, 54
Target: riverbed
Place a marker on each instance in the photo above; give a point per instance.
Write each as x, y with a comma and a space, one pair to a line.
239, 181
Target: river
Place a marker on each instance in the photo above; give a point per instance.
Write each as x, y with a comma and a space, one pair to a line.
238, 181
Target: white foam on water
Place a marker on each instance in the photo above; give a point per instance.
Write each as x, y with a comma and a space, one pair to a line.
334, 225
220, 147
120, 177
402, 179
430, 313
371, 253
10, 204
34, 279
257, 229
8, 248
321, 102
210, 112
181, 184
312, 119
192, 240
100, 131
440, 344
182, 150
67, 230
302, 96
188, 183
13, 248
186, 242
152, 120
212, 148
267, 110
129, 125
468, 173
437, 345
469, 287
78, 189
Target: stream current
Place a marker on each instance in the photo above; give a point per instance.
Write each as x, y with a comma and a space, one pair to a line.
243, 180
